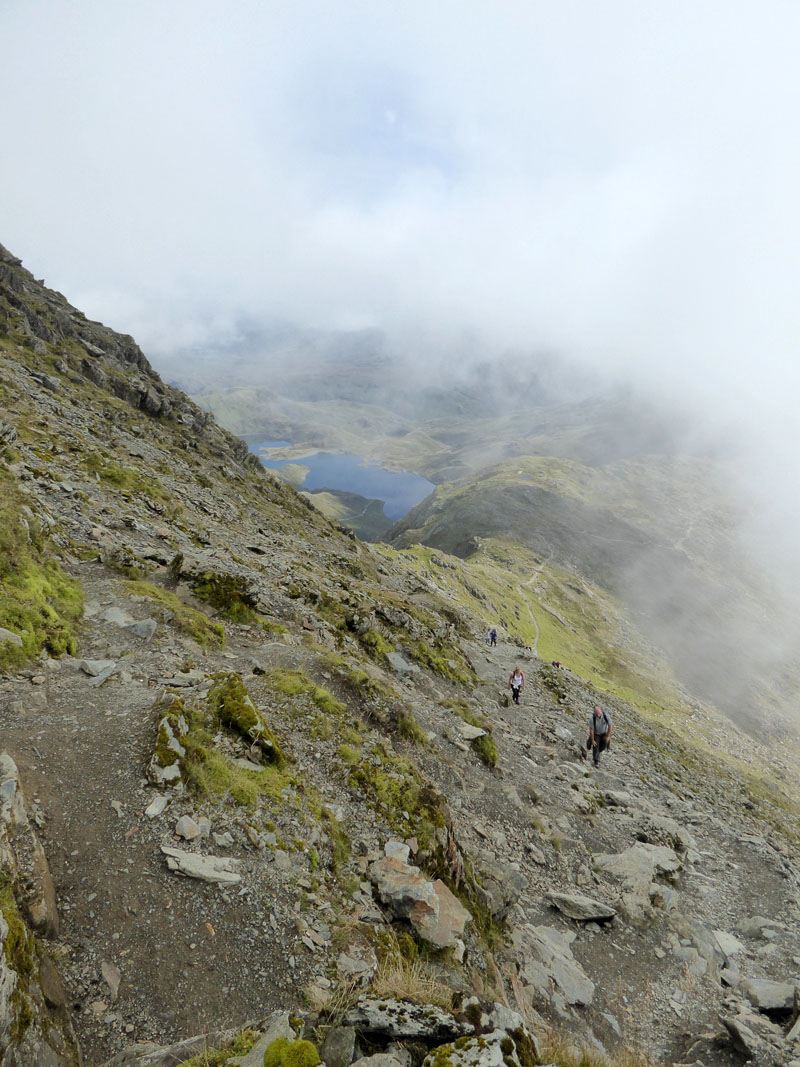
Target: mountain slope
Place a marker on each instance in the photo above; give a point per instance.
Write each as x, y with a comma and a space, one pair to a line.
304, 699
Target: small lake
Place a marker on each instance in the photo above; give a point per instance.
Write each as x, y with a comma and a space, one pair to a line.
398, 490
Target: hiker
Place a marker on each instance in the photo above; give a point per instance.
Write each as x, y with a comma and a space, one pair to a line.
516, 683
599, 733
488, 636
493, 636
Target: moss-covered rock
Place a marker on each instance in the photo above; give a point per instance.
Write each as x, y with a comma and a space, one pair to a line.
285, 1053
230, 702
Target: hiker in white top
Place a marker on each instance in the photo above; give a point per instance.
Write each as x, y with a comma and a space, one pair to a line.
516, 683
599, 733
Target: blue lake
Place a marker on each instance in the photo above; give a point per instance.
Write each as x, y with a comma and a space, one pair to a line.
399, 491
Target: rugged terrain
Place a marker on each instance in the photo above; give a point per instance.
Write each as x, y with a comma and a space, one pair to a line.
270, 766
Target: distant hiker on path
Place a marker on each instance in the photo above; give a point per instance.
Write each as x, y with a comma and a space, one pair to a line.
516, 683
493, 637
488, 636
599, 733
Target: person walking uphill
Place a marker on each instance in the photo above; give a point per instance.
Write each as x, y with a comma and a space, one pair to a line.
516, 683
599, 733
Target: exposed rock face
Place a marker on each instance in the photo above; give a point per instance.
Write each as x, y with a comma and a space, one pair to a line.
430, 907
34, 1023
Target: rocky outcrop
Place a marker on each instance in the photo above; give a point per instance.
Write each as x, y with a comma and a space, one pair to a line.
35, 1027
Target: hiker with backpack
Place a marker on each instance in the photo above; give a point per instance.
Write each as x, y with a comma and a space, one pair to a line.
516, 683
599, 733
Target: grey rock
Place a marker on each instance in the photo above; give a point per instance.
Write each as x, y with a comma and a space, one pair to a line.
548, 959
187, 828
183, 679
144, 628
397, 850
638, 865
579, 907
221, 869
494, 1049
770, 997
112, 978
7, 635
338, 1048
756, 927
402, 1019
357, 964
400, 664
728, 944
156, 806
96, 667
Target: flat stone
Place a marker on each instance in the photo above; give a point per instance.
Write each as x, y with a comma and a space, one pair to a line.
95, 667
728, 944
156, 806
116, 616
402, 1020
223, 869
112, 978
144, 628
579, 907
7, 635
638, 865
757, 927
770, 997
467, 732
183, 679
400, 664
549, 960
618, 798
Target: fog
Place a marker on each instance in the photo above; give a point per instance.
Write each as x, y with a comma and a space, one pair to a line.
615, 182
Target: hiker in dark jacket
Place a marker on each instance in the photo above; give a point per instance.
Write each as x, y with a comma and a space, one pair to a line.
599, 733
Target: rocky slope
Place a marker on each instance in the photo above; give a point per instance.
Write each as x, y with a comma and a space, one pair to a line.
271, 767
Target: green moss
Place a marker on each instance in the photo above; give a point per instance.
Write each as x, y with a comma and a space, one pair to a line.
38, 601
443, 658
400, 794
127, 480
375, 644
230, 702
229, 594
188, 620
285, 1053
240, 1045
293, 683
21, 952
409, 728
484, 747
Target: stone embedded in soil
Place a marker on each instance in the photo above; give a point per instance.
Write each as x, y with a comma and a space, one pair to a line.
580, 907
221, 869
187, 828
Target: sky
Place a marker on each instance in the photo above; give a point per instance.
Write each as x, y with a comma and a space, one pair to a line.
617, 182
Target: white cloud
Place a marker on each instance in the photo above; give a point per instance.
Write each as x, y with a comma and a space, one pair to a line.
616, 181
